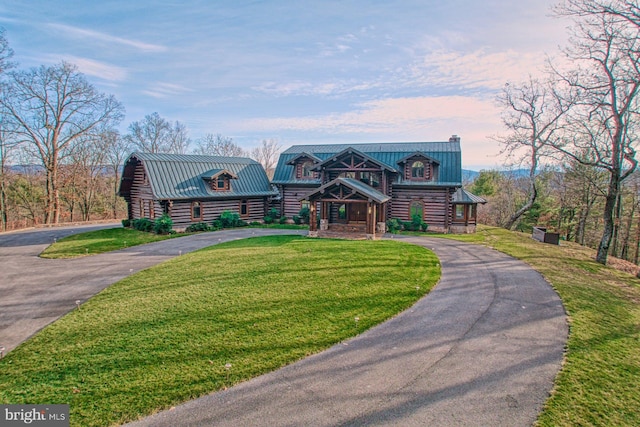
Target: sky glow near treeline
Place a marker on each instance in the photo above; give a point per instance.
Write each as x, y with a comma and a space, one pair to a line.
310, 72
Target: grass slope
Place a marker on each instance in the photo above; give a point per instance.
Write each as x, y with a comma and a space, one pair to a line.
167, 334
100, 241
599, 384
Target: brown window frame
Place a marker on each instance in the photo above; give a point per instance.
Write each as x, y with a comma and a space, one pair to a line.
411, 204
244, 203
306, 166
464, 212
223, 180
226, 186
152, 211
200, 207
415, 177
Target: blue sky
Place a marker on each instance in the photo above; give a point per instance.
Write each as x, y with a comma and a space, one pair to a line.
302, 72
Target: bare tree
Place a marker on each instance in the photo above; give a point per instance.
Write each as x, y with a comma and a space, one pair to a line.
87, 160
51, 108
218, 145
267, 155
587, 185
25, 193
5, 53
179, 138
532, 113
628, 10
6, 140
117, 149
7, 144
154, 134
605, 48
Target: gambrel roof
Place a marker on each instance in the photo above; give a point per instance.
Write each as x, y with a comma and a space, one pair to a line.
446, 154
185, 176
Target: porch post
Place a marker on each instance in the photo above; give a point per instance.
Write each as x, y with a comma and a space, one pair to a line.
313, 228
324, 218
381, 226
371, 218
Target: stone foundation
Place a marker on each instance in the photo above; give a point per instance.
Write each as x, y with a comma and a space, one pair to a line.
462, 229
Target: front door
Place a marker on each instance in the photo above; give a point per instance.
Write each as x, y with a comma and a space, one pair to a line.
357, 212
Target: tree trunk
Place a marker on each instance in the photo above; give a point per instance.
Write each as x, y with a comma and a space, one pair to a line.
513, 219
533, 193
3, 204
637, 255
616, 227
608, 214
48, 209
3, 193
56, 193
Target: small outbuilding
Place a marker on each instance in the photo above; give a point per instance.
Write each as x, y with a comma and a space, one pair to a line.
194, 188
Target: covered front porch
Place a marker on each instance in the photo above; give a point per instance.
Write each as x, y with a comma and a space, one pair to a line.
347, 207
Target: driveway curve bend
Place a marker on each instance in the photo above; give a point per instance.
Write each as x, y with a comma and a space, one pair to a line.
35, 291
482, 348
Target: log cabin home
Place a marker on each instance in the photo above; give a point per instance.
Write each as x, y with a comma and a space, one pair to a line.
357, 187
194, 188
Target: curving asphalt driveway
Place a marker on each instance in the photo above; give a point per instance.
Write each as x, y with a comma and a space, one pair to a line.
35, 291
482, 348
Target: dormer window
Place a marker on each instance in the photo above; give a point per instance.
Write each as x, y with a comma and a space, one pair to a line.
219, 180
419, 167
303, 166
304, 169
307, 173
417, 170
222, 183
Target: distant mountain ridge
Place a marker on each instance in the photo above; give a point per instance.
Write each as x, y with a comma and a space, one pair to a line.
469, 175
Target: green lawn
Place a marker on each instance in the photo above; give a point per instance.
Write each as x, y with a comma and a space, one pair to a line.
99, 241
209, 319
132, 348
599, 384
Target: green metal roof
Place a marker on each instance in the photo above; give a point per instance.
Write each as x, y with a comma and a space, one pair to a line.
351, 150
184, 176
447, 154
462, 196
356, 186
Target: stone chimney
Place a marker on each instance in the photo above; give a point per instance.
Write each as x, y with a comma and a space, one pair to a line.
454, 138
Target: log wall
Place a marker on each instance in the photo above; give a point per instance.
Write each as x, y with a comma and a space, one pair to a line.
290, 196
436, 205
142, 203
211, 210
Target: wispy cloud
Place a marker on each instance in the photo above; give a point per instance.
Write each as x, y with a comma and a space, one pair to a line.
90, 67
83, 33
394, 119
400, 115
308, 88
164, 90
477, 69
